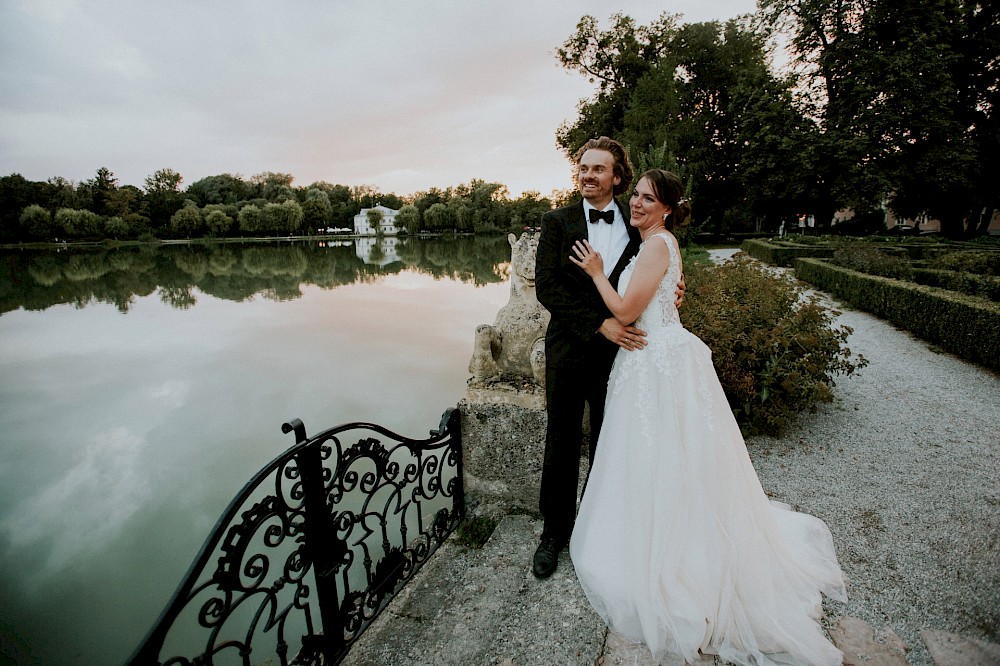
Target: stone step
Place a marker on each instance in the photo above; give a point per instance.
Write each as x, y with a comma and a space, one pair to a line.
484, 606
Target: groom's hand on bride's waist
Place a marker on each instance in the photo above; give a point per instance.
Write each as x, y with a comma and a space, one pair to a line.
626, 337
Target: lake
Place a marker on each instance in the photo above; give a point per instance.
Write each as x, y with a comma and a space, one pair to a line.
142, 386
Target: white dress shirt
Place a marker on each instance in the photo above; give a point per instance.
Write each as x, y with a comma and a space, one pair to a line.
609, 240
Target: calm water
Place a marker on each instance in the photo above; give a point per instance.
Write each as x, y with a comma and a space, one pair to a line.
140, 388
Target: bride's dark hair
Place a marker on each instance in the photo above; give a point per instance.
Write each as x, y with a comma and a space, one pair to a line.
668, 189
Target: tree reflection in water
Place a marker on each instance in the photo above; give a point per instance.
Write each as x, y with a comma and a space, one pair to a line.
38, 279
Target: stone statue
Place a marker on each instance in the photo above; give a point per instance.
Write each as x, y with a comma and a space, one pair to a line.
513, 347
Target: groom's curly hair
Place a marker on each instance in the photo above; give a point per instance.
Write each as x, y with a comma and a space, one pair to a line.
623, 167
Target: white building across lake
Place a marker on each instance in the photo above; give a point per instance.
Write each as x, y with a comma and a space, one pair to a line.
363, 226
377, 251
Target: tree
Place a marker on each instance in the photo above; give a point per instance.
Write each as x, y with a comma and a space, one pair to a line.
905, 94
673, 89
282, 218
77, 223
37, 222
374, 218
250, 219
316, 209
342, 209
364, 196
15, 194
527, 211
164, 180
615, 59
118, 228
438, 218
163, 196
63, 194
217, 222
462, 213
780, 149
275, 187
315, 215
222, 189
408, 218
103, 187
187, 221
936, 110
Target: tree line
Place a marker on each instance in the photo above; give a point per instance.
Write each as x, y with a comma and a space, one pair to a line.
885, 105
227, 205
35, 279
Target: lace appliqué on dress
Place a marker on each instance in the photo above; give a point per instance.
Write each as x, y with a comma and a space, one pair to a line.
667, 340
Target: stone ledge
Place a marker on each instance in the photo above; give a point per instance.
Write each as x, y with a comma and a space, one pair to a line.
504, 445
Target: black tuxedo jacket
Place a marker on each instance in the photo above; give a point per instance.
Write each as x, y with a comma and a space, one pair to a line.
568, 293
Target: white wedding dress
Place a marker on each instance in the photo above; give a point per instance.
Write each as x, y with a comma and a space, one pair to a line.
676, 545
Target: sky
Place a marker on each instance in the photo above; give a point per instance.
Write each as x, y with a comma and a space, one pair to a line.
401, 95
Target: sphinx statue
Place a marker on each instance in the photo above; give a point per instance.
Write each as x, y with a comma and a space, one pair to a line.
512, 348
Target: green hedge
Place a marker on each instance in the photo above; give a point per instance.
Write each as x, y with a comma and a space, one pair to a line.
983, 286
784, 254
964, 325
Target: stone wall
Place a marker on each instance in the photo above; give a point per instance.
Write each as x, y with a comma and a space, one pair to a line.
503, 440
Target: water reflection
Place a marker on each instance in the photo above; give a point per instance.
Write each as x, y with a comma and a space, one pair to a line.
38, 279
124, 437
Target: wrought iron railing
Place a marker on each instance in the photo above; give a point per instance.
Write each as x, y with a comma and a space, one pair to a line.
313, 548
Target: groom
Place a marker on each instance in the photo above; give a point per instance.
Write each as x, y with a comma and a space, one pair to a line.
582, 337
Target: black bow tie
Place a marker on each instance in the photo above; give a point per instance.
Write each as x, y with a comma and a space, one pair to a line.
608, 215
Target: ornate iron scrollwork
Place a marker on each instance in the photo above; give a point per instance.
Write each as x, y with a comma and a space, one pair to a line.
313, 548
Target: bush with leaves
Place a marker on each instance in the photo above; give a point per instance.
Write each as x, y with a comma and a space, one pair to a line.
979, 262
866, 259
775, 351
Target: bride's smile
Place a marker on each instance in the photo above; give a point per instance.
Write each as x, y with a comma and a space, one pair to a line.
648, 213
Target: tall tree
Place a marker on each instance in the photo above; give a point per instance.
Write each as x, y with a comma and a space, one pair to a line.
275, 187
439, 218
615, 60
103, 187
221, 189
409, 219
905, 93
681, 90
163, 196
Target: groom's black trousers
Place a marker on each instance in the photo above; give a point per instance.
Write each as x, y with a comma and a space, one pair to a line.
568, 386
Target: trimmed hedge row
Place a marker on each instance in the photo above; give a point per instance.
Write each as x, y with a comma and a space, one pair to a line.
984, 286
784, 254
964, 325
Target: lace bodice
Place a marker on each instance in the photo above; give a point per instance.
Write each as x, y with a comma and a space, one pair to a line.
668, 342
661, 311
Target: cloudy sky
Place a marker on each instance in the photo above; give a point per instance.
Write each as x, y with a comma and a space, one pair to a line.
399, 94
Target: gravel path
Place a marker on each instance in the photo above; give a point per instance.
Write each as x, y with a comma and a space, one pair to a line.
904, 466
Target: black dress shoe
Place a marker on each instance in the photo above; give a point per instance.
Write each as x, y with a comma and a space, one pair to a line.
546, 557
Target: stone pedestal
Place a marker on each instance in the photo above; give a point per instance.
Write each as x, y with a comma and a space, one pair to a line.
503, 439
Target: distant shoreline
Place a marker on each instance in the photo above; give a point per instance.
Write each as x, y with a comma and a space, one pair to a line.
109, 243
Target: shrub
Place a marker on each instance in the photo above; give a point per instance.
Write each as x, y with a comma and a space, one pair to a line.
984, 286
802, 239
775, 350
783, 253
870, 260
980, 262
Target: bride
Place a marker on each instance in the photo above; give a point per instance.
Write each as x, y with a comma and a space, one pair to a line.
676, 544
